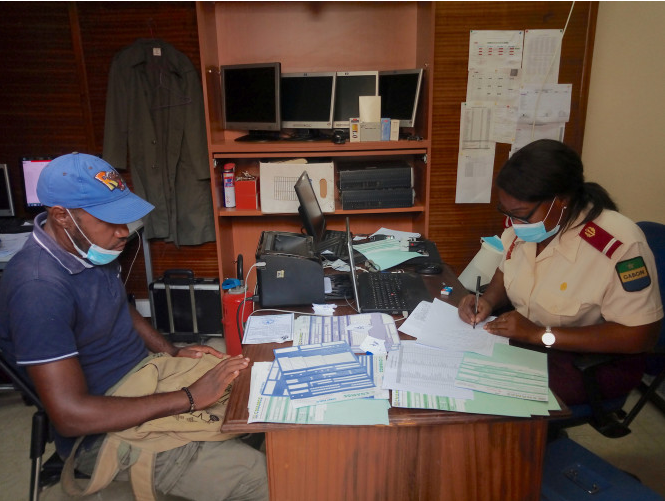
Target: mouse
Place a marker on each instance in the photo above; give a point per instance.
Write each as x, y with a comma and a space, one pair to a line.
429, 269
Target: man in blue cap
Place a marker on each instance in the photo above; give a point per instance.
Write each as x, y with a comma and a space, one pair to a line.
66, 322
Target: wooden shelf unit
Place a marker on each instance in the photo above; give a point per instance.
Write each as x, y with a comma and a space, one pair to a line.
313, 36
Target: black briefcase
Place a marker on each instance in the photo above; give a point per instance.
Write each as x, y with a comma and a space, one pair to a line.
185, 308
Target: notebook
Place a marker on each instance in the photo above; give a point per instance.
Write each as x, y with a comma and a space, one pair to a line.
392, 293
330, 244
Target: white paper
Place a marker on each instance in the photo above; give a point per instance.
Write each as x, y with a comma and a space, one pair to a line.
474, 176
504, 124
446, 330
527, 133
498, 86
269, 329
495, 49
475, 120
370, 108
547, 104
420, 368
542, 53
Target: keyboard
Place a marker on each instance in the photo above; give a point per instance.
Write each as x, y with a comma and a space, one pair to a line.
334, 242
14, 225
386, 291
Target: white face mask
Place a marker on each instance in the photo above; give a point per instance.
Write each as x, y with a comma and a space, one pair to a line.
96, 255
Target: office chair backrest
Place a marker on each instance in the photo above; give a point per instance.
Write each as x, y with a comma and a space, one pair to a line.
655, 234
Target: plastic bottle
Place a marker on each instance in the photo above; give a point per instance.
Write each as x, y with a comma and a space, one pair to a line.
229, 184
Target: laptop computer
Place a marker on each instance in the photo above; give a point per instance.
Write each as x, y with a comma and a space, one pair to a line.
330, 244
392, 293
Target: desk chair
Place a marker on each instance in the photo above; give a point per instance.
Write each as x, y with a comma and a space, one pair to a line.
42, 474
608, 416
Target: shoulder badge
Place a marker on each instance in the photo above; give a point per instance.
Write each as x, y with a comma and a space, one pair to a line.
599, 239
633, 274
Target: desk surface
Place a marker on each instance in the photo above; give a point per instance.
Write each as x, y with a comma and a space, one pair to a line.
421, 455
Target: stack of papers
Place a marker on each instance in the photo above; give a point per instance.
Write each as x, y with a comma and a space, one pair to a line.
324, 383
455, 367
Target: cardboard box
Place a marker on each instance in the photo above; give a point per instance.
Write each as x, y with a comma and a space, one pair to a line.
247, 195
277, 180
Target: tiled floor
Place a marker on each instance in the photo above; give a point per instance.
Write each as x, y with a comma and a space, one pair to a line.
641, 453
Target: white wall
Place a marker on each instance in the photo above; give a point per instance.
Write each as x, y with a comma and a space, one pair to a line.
624, 140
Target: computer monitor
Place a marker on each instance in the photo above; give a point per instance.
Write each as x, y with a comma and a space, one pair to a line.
349, 87
6, 198
308, 101
31, 167
310, 211
399, 91
250, 99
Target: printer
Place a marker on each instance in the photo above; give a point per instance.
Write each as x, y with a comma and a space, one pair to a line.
292, 274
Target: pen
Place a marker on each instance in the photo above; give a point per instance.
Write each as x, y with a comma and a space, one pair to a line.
477, 295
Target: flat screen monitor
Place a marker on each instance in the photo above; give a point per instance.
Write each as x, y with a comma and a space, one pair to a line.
349, 87
308, 101
250, 99
31, 167
310, 211
399, 91
6, 198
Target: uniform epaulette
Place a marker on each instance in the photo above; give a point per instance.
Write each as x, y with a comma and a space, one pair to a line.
599, 239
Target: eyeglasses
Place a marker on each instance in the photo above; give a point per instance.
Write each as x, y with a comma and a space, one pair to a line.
523, 219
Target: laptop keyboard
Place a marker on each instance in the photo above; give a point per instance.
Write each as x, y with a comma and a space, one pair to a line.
386, 291
334, 242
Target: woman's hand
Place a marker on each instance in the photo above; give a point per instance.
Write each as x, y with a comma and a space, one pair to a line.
515, 326
467, 309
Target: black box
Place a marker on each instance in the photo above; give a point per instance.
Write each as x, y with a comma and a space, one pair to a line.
377, 199
376, 177
175, 295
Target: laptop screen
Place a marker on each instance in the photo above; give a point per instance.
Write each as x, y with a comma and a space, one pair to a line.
310, 210
352, 265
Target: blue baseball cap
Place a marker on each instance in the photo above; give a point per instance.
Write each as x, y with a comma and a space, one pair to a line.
81, 181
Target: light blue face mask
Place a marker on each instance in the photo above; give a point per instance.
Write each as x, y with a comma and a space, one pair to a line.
535, 232
96, 255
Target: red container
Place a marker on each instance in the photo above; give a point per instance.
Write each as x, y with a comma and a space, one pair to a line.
247, 194
230, 303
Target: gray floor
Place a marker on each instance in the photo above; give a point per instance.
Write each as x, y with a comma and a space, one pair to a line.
641, 453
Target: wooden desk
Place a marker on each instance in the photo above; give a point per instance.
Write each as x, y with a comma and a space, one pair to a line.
422, 455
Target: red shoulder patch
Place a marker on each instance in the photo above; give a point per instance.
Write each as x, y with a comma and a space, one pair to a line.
599, 239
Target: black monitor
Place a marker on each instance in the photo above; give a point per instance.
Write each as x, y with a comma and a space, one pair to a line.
349, 87
310, 211
250, 99
6, 198
31, 167
307, 102
399, 91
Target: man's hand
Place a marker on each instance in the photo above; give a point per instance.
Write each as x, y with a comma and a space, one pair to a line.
211, 386
197, 351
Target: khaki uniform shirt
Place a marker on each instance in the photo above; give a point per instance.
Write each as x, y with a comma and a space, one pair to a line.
572, 283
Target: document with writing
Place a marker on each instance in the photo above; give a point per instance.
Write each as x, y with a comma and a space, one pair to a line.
421, 368
324, 372
279, 408
353, 329
510, 371
444, 329
269, 329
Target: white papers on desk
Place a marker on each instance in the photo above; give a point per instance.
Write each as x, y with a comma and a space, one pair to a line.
12, 243
421, 368
438, 325
353, 329
320, 373
279, 409
268, 329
